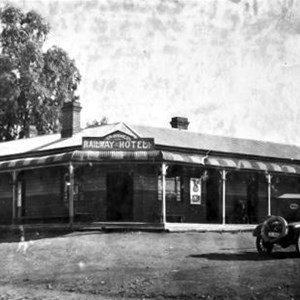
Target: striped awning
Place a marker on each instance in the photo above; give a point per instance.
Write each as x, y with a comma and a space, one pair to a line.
152, 156
182, 157
232, 163
79, 156
29, 162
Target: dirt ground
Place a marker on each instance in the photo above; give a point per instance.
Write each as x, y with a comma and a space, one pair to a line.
135, 265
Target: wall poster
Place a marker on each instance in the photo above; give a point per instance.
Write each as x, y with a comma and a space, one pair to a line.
195, 191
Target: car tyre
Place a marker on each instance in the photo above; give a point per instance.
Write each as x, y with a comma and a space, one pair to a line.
298, 244
264, 248
275, 225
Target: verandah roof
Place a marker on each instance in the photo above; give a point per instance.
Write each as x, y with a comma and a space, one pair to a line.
77, 156
233, 163
154, 156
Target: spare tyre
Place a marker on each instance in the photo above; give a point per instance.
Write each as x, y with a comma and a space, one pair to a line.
298, 244
274, 228
263, 248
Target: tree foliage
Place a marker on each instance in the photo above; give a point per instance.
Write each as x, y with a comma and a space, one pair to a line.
34, 83
96, 123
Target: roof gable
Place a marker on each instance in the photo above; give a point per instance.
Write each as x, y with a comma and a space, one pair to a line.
118, 134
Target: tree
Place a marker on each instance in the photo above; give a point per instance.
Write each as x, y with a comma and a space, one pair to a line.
33, 84
96, 123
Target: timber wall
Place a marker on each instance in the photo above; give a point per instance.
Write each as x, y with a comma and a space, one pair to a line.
5, 198
183, 211
45, 196
43, 193
92, 200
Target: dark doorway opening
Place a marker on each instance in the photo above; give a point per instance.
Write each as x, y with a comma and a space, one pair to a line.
213, 197
119, 197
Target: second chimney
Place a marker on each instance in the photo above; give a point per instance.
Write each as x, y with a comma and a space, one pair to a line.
70, 119
180, 123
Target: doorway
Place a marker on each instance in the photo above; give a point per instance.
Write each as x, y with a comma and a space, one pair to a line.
213, 197
119, 197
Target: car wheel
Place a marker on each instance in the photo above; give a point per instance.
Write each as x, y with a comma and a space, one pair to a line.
263, 247
274, 228
298, 244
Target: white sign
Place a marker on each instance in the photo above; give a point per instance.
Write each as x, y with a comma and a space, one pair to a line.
294, 206
108, 143
195, 191
19, 194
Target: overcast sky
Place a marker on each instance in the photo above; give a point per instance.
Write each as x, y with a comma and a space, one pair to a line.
232, 67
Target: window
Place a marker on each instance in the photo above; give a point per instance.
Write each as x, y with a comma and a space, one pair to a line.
173, 188
65, 187
78, 195
77, 192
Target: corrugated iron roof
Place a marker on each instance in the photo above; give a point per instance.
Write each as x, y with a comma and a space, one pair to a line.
54, 141
162, 136
28, 145
193, 140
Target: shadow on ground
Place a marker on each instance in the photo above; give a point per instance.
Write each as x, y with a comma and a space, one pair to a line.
246, 256
16, 235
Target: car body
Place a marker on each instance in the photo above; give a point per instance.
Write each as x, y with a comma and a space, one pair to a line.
276, 230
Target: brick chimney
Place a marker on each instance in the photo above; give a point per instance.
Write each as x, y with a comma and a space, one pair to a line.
180, 123
70, 119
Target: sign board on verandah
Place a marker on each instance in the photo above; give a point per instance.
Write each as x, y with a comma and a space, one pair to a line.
98, 144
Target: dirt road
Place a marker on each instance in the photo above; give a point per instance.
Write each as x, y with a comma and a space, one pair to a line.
146, 265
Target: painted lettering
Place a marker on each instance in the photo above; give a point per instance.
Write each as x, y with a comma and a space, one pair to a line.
117, 144
145, 145
85, 144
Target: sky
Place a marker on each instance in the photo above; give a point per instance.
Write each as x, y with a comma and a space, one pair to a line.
232, 67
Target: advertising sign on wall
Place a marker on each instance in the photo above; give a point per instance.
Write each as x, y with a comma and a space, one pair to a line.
195, 191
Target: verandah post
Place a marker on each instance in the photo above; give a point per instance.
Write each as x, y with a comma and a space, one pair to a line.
164, 173
71, 194
224, 173
14, 196
269, 179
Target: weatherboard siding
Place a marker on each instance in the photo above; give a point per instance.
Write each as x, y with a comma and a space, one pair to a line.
5, 198
237, 193
183, 211
90, 203
43, 194
45, 198
49, 206
42, 182
146, 207
92, 199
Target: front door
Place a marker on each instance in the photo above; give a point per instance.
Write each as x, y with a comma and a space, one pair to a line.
213, 197
119, 196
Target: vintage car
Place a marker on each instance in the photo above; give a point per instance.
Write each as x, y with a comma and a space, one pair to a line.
276, 230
